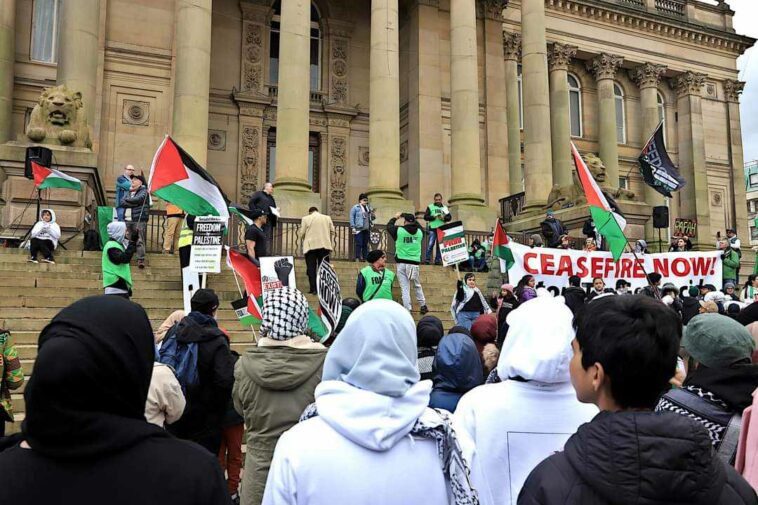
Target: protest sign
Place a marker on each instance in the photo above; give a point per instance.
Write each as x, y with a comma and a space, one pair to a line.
329, 296
277, 272
452, 243
207, 242
685, 227
552, 267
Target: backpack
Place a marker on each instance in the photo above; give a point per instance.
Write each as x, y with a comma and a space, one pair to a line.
91, 241
181, 357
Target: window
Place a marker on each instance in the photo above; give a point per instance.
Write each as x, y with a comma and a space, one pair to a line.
662, 114
315, 75
753, 180
753, 233
751, 206
575, 106
624, 182
314, 153
520, 102
618, 95
44, 46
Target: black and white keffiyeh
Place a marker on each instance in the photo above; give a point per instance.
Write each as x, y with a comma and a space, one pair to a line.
285, 314
454, 466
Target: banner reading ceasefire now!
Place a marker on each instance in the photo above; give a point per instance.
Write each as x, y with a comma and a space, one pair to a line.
552, 267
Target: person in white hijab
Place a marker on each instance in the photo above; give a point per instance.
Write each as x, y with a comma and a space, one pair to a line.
369, 438
44, 237
531, 409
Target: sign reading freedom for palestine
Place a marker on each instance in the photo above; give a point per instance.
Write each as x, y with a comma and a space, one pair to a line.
452, 243
207, 242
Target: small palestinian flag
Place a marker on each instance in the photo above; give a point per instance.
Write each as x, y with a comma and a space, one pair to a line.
178, 179
501, 246
251, 277
46, 178
240, 308
450, 231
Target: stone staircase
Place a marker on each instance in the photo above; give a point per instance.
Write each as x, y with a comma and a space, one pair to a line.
34, 293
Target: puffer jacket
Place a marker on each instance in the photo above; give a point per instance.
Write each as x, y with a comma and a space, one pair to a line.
636, 458
272, 387
139, 203
457, 369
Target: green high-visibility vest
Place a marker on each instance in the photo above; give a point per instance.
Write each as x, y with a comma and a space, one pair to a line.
407, 246
378, 284
112, 272
439, 221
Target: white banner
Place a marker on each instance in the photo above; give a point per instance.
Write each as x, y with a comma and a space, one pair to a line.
277, 272
552, 267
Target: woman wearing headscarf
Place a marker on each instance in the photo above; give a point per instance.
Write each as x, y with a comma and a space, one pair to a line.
166, 325
85, 438
525, 288
457, 370
44, 237
370, 438
117, 253
468, 302
429, 331
274, 382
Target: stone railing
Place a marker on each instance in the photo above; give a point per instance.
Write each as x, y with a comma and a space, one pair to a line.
317, 97
670, 7
635, 3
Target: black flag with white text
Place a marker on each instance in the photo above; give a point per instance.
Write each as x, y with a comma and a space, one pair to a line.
656, 166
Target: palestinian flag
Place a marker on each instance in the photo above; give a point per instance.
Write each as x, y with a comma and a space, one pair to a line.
178, 179
501, 246
46, 178
251, 276
241, 214
240, 308
450, 231
608, 223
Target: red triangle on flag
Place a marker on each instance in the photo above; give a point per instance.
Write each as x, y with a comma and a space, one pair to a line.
168, 167
40, 173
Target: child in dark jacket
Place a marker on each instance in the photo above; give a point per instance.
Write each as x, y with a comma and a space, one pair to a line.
625, 352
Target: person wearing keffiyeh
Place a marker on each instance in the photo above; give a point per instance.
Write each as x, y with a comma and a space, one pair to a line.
369, 438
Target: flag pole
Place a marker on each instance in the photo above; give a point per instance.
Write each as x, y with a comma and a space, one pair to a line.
239, 290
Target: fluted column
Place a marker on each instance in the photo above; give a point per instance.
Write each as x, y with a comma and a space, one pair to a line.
647, 77
604, 67
512, 49
732, 91
693, 197
7, 57
464, 104
538, 160
559, 57
78, 50
293, 98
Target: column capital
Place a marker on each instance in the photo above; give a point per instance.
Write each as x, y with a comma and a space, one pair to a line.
647, 75
604, 65
688, 83
492, 9
559, 56
733, 90
260, 14
512, 46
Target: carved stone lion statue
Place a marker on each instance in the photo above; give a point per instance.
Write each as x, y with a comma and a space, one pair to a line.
59, 117
572, 194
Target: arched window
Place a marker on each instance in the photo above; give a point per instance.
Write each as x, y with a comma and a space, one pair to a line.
618, 95
662, 113
520, 102
315, 75
575, 106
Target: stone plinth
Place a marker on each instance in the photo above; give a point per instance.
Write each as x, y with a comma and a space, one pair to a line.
474, 217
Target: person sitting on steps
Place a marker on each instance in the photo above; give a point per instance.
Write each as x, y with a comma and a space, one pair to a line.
44, 237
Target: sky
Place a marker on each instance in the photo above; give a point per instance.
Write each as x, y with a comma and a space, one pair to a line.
746, 23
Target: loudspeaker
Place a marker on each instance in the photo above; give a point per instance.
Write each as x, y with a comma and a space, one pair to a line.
661, 217
41, 155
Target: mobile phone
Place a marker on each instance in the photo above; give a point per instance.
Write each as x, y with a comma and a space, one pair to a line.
718, 234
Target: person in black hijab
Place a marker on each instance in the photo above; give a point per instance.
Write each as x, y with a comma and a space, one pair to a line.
85, 437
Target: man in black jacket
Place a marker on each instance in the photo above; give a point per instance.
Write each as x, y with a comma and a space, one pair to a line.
574, 295
139, 201
625, 352
207, 400
264, 200
552, 229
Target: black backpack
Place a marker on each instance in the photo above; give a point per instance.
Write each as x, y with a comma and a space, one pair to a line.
91, 240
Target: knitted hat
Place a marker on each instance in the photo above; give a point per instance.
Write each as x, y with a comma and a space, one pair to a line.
205, 301
484, 330
409, 218
693, 291
728, 285
507, 287
285, 314
717, 341
374, 256
429, 331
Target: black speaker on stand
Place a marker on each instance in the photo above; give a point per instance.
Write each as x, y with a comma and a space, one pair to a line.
40, 155
660, 220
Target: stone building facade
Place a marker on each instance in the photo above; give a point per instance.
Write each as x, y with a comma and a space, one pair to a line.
476, 99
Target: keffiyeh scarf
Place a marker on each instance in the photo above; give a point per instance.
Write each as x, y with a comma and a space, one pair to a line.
285, 314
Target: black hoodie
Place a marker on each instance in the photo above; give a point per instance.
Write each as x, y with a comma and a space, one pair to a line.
636, 458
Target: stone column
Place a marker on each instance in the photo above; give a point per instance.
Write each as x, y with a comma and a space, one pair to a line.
78, 50
693, 197
7, 58
559, 57
496, 174
604, 67
538, 160
647, 77
732, 91
512, 49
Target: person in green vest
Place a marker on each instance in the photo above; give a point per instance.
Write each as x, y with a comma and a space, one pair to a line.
435, 216
408, 239
375, 280
117, 253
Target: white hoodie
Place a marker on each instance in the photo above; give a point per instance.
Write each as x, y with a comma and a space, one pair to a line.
44, 230
516, 424
358, 451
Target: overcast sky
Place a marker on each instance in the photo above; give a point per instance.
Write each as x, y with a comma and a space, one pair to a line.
746, 23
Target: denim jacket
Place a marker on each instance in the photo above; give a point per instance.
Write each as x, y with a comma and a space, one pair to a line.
359, 220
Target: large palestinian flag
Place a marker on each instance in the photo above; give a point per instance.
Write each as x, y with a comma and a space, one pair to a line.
608, 223
501, 246
46, 178
178, 179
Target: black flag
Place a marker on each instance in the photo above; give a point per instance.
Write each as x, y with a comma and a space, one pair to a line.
656, 166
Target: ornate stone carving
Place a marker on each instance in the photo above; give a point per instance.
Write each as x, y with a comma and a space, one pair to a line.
604, 65
733, 90
570, 195
404, 151
363, 156
647, 75
710, 89
493, 9
249, 155
135, 113
59, 117
340, 69
688, 83
217, 140
252, 57
338, 179
512, 46
559, 56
